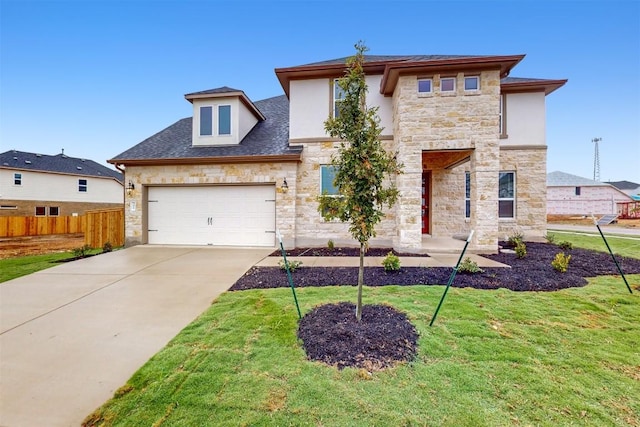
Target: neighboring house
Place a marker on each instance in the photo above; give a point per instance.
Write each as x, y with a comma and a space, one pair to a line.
628, 187
573, 195
39, 185
471, 139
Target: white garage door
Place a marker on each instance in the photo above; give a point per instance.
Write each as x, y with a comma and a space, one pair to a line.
222, 215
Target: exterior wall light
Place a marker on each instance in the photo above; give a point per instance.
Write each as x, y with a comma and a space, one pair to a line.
130, 188
285, 186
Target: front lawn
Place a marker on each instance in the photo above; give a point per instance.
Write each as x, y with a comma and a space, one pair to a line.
11, 268
495, 358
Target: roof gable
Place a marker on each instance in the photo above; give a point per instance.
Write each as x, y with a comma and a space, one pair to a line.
59, 163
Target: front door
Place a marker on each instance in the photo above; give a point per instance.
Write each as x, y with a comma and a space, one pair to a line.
426, 197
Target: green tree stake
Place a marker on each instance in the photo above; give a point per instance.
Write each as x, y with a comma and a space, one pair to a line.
612, 255
453, 275
286, 264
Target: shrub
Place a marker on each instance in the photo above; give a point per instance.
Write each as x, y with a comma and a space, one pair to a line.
515, 237
107, 247
550, 238
293, 265
521, 250
81, 252
561, 262
330, 244
391, 262
565, 245
469, 266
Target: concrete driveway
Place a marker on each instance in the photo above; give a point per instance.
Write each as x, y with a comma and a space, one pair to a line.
72, 334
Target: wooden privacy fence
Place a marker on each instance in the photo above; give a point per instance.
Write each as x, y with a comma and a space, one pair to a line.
98, 226
17, 226
104, 226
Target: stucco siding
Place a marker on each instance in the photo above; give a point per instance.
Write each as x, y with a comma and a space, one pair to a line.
525, 119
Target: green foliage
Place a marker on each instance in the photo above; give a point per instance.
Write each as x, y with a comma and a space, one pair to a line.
521, 249
82, 251
391, 262
469, 266
107, 247
515, 237
293, 265
565, 245
364, 169
330, 244
550, 238
561, 262
625, 246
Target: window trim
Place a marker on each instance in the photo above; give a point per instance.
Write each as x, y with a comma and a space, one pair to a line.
477, 89
467, 194
218, 121
502, 116
334, 99
83, 187
322, 169
209, 108
430, 91
17, 179
443, 79
52, 213
508, 199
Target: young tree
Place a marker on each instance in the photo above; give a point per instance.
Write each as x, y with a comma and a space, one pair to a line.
362, 166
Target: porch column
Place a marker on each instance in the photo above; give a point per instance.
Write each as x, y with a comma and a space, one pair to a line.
484, 174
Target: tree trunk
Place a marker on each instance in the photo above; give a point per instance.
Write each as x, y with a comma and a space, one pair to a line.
360, 283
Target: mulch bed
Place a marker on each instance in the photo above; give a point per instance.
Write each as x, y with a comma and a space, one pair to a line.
342, 252
331, 334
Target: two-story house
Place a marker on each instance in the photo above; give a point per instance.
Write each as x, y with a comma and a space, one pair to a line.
472, 141
33, 184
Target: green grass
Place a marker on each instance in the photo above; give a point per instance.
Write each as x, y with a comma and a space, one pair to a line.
625, 246
493, 358
12, 268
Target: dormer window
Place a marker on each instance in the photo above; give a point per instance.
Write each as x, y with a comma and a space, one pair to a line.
209, 124
224, 119
206, 121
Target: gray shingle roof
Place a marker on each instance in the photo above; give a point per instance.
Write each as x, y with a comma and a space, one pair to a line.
394, 58
562, 179
268, 137
624, 185
223, 89
60, 163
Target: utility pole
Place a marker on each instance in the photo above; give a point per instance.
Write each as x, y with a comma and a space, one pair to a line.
596, 160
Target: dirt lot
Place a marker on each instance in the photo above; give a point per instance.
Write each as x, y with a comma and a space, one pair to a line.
577, 220
11, 247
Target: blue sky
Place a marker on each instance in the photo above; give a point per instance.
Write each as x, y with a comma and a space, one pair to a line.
97, 77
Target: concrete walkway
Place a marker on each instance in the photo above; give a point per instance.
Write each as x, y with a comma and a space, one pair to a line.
72, 334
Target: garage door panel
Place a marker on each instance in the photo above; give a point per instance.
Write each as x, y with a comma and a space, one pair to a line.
222, 215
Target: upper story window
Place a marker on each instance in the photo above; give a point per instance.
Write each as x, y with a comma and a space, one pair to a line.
82, 185
425, 86
327, 178
503, 116
577, 191
507, 195
471, 83
338, 96
448, 84
54, 210
206, 121
17, 179
41, 211
224, 119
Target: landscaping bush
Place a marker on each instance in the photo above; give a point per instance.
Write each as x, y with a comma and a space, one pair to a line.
515, 237
469, 266
293, 265
521, 250
107, 247
391, 262
330, 244
565, 245
81, 252
561, 262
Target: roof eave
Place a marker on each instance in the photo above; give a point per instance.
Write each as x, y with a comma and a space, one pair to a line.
243, 98
269, 158
546, 86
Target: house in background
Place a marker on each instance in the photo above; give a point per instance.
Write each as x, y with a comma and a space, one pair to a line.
573, 195
628, 187
40, 185
472, 141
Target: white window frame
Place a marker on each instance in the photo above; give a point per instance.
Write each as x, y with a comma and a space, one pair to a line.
508, 199
212, 120
217, 122
443, 79
477, 79
81, 185
17, 179
430, 86
502, 116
